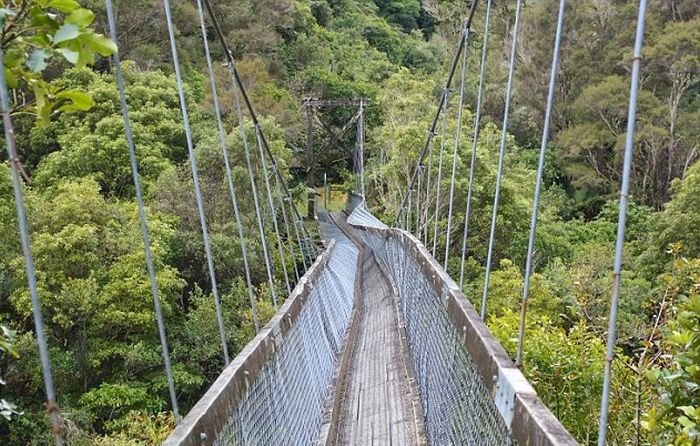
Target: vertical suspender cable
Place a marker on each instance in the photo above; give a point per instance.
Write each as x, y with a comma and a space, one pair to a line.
475, 140
287, 229
310, 245
51, 405
273, 211
419, 213
538, 182
431, 137
142, 213
438, 180
195, 178
361, 131
409, 211
355, 163
227, 167
455, 152
436, 118
283, 199
501, 157
253, 188
622, 222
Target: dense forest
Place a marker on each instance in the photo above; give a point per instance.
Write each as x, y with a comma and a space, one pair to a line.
89, 255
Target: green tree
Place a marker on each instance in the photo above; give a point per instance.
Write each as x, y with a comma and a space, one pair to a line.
95, 293
39, 33
676, 418
80, 144
565, 368
678, 221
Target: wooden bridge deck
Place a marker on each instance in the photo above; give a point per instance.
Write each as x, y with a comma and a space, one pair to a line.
378, 403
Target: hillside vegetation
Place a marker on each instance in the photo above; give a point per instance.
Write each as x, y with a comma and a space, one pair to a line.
89, 255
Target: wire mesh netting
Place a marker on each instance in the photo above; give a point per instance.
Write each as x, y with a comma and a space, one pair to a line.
286, 402
457, 406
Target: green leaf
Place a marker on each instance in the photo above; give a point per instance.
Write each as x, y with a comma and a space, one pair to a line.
70, 55
43, 107
40, 17
64, 5
688, 410
686, 422
13, 57
37, 61
66, 32
100, 44
81, 17
10, 78
78, 101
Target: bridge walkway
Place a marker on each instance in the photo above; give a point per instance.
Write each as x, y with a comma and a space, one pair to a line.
377, 404
334, 366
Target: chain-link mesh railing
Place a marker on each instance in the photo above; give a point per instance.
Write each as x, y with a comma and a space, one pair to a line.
275, 392
470, 391
361, 216
278, 390
457, 405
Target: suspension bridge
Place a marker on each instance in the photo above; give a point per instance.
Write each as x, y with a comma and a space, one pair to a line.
374, 343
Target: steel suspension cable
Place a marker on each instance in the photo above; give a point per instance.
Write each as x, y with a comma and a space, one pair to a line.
129, 134
51, 404
227, 167
438, 181
501, 158
300, 240
622, 222
458, 139
426, 216
475, 140
538, 182
254, 190
195, 178
311, 246
436, 118
361, 147
421, 170
273, 211
290, 237
409, 220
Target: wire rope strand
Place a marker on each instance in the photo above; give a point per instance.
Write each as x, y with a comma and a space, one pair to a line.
419, 194
129, 134
622, 222
285, 220
13, 158
538, 183
426, 217
313, 249
253, 187
438, 181
501, 157
273, 211
475, 140
195, 179
436, 118
227, 167
457, 143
